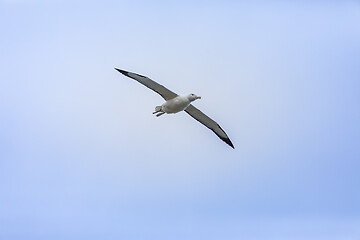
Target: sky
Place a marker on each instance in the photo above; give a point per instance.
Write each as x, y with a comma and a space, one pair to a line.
82, 157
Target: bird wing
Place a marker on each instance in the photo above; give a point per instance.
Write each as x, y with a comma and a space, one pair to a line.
208, 122
160, 89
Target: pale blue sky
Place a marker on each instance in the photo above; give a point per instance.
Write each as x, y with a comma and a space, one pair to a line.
82, 157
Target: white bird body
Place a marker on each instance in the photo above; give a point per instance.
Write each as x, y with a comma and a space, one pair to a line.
175, 103
178, 103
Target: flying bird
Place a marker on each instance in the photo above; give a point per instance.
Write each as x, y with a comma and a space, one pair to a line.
175, 103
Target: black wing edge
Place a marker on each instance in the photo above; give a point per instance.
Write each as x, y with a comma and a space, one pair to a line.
126, 73
227, 140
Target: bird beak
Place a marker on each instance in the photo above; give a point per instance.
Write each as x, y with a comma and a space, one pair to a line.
198, 97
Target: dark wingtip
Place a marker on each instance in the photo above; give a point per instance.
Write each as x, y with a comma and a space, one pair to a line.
122, 71
227, 140
126, 73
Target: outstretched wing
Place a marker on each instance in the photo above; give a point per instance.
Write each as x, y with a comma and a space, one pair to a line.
208, 122
160, 89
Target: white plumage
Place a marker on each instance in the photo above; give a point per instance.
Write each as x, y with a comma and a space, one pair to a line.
175, 103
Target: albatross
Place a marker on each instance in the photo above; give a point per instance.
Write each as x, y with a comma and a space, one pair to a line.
175, 103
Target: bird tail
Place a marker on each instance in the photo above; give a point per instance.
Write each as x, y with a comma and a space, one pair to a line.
157, 108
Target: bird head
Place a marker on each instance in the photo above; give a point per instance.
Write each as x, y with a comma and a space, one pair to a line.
193, 97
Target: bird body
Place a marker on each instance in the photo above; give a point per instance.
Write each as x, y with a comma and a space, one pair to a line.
178, 103
175, 103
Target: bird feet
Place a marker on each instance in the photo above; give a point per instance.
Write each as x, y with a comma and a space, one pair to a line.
159, 114
158, 110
